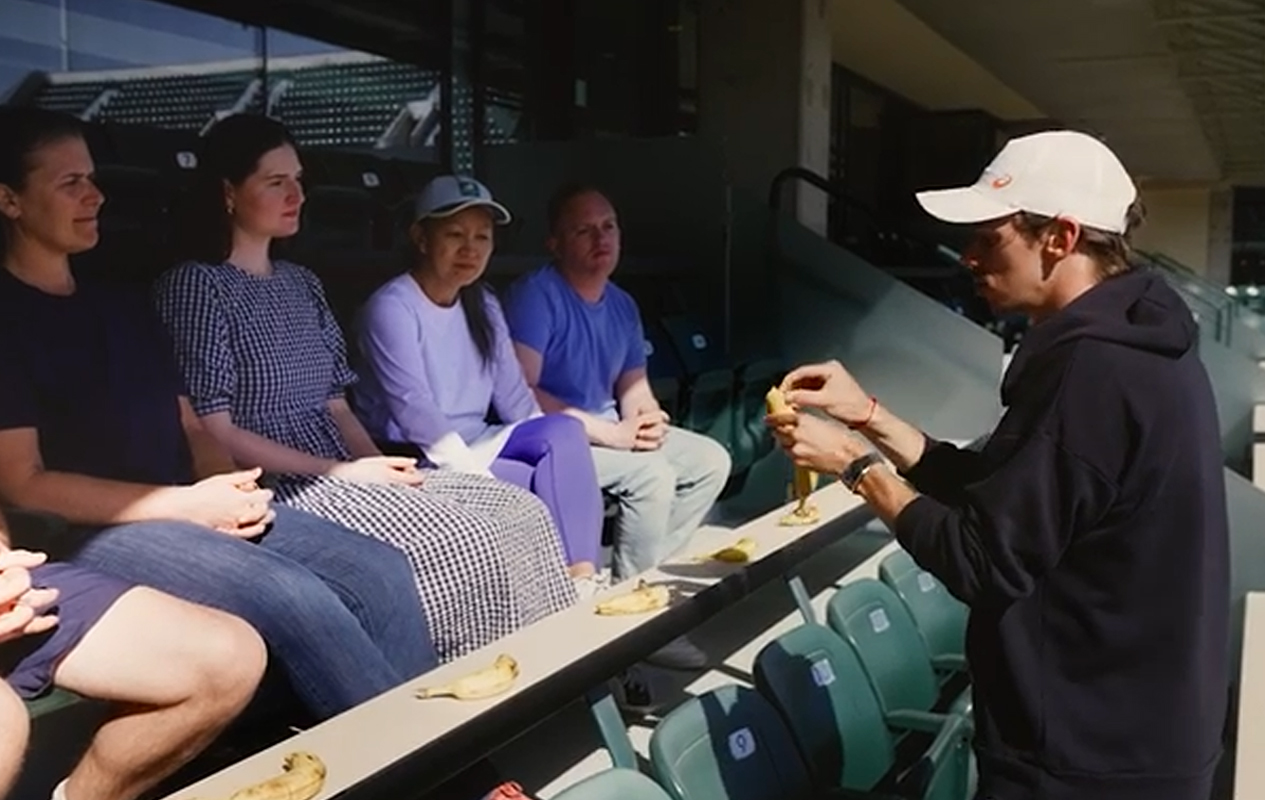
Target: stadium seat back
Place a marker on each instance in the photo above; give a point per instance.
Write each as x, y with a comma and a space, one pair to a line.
940, 617
873, 620
615, 784
817, 683
728, 744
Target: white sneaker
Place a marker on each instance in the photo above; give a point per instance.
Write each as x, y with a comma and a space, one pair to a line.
588, 586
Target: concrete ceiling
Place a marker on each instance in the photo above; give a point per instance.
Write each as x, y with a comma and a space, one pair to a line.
1177, 87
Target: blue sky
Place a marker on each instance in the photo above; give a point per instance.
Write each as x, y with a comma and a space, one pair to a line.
106, 34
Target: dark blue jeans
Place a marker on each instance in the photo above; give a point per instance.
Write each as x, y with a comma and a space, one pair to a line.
337, 609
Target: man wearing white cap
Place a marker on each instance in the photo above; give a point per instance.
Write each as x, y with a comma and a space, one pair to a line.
1089, 536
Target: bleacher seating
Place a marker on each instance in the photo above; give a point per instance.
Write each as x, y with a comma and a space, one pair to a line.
872, 619
72, 98
180, 102
349, 104
817, 683
939, 616
728, 744
615, 784
334, 104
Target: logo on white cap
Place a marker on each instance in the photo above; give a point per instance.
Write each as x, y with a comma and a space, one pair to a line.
449, 194
1054, 174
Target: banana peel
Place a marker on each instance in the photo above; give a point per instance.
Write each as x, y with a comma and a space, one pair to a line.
642, 600
487, 682
302, 778
804, 481
739, 552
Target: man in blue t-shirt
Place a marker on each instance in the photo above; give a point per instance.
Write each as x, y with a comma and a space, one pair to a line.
580, 340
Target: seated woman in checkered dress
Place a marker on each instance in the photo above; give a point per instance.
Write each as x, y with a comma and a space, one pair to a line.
266, 369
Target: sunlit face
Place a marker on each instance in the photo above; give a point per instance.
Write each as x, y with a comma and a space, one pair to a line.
586, 240
57, 208
456, 248
1007, 266
268, 202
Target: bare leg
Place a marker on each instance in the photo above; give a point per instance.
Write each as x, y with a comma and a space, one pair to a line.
14, 729
179, 672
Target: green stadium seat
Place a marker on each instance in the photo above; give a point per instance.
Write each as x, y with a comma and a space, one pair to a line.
818, 684
871, 618
51, 702
708, 403
728, 744
614, 784
940, 617
664, 370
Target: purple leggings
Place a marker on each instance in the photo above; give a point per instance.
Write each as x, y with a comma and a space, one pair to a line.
550, 457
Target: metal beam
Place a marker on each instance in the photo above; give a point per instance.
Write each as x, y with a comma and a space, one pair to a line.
1167, 20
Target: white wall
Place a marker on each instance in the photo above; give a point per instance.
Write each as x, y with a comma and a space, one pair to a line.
1178, 224
764, 86
886, 43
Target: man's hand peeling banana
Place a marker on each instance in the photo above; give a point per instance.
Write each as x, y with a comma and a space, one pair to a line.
302, 779
804, 481
487, 682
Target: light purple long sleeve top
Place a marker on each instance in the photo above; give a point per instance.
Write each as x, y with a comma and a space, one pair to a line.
423, 380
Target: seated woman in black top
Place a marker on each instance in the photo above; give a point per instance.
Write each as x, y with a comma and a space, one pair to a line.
95, 426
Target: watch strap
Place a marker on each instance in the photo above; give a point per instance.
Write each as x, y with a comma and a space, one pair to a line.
854, 472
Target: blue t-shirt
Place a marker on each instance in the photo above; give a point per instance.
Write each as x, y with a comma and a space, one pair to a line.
94, 374
585, 346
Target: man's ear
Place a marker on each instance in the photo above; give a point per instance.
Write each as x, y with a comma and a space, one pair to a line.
551, 244
1061, 238
9, 205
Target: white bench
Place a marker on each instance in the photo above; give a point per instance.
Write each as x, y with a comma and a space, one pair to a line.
396, 744
1249, 767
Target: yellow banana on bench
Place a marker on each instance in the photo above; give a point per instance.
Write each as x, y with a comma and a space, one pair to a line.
645, 598
804, 481
739, 552
302, 778
487, 682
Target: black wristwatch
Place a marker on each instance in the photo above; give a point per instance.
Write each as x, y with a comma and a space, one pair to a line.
854, 472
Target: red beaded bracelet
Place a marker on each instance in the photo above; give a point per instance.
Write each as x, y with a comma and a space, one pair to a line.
856, 426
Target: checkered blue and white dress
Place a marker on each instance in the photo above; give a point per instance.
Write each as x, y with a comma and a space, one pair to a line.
485, 554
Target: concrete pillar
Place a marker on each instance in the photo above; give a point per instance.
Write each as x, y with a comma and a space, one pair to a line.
764, 93
1220, 235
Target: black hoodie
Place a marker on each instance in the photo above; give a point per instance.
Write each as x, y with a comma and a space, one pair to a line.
1090, 539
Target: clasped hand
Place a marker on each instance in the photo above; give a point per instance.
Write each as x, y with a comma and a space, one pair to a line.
20, 603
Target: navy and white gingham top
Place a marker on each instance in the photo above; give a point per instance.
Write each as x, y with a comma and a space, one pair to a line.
264, 348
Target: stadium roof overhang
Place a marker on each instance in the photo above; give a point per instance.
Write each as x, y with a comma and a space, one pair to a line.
1177, 86
415, 31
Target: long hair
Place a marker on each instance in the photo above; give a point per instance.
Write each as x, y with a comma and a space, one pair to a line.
23, 130
230, 153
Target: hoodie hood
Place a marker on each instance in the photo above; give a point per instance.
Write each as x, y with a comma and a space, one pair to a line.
1137, 310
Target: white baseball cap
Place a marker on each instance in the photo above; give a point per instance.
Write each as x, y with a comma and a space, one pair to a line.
1054, 174
450, 194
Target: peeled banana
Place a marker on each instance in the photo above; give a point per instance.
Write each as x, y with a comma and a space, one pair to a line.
487, 682
302, 778
804, 480
739, 552
643, 599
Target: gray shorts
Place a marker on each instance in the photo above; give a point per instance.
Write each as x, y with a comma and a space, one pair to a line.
84, 596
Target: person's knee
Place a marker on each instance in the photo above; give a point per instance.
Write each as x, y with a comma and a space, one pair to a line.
653, 477
225, 659
16, 725
701, 459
